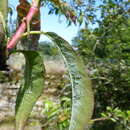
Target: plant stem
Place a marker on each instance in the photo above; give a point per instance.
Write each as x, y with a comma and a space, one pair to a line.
32, 32
16, 37
100, 119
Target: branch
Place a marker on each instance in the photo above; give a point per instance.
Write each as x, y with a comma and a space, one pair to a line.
17, 36
32, 33
100, 119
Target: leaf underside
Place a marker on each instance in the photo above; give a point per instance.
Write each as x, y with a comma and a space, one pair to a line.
82, 95
31, 89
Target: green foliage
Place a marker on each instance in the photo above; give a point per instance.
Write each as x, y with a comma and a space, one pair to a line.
121, 118
105, 50
31, 89
57, 115
76, 11
111, 81
82, 95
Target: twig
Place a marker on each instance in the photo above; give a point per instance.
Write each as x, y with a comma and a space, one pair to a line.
100, 119
16, 37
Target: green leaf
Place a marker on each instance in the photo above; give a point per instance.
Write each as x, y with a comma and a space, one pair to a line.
31, 89
104, 115
113, 119
82, 95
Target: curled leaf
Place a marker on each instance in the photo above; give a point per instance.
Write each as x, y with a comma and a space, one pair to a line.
82, 95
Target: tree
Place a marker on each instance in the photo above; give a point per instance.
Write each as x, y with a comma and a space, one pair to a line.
105, 51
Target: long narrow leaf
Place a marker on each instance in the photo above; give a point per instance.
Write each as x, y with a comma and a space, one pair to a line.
31, 89
82, 95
